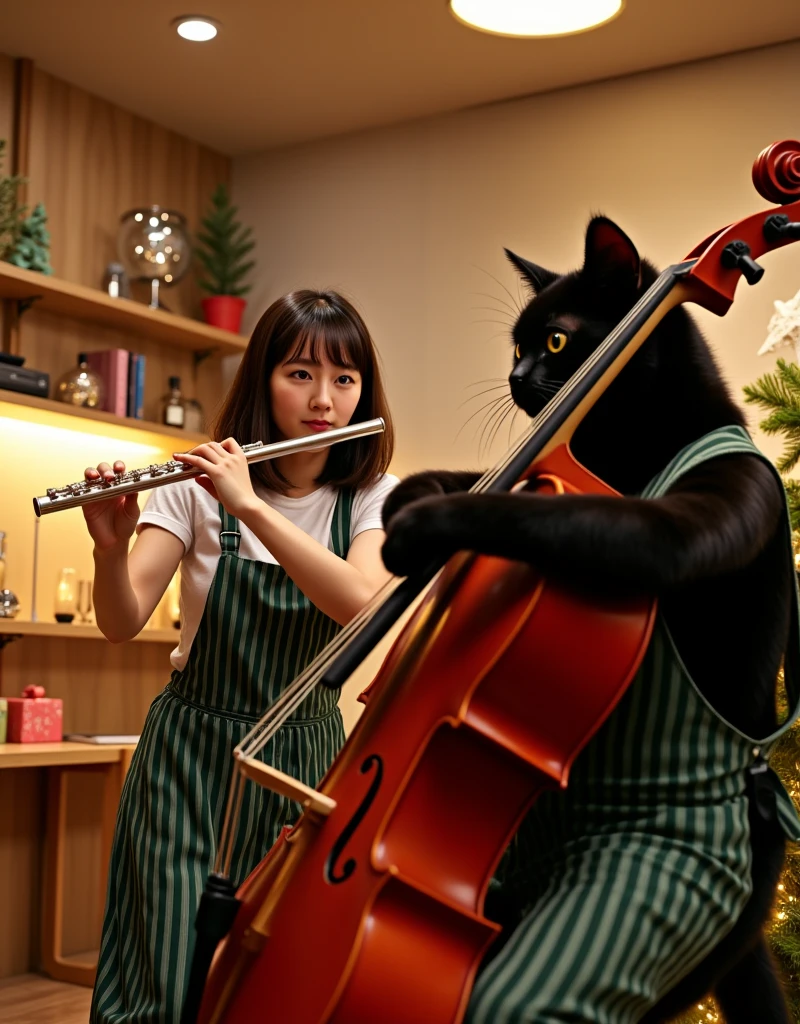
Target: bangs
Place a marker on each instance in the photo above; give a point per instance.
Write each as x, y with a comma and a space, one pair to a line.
339, 343
310, 326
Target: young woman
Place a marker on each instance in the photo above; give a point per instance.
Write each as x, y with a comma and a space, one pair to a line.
274, 558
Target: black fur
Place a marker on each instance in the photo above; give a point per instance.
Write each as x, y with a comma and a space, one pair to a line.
713, 549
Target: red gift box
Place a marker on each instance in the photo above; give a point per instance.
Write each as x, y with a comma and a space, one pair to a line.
34, 718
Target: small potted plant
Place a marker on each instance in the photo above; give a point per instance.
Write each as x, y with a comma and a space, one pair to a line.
222, 248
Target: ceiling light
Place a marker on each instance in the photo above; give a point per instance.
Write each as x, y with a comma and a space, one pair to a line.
195, 28
535, 17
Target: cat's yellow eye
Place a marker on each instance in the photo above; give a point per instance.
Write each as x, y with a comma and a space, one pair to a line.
517, 352
556, 341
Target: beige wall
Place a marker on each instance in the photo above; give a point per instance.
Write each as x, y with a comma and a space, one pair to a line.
411, 221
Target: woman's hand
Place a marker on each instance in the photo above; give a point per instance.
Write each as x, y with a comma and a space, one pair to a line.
226, 474
110, 522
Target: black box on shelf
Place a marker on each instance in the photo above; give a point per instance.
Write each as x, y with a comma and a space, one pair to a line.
19, 378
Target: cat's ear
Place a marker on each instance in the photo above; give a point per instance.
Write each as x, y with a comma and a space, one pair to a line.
610, 253
537, 277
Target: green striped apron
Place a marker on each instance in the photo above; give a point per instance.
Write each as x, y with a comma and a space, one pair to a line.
257, 633
634, 872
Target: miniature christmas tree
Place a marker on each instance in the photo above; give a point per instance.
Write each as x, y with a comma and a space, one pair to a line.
32, 251
223, 246
779, 393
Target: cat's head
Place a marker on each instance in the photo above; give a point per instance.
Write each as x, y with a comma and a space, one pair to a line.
570, 314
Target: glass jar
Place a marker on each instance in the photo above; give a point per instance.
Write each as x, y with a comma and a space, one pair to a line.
66, 596
81, 386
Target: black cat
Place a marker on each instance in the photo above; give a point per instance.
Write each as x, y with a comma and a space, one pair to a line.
713, 549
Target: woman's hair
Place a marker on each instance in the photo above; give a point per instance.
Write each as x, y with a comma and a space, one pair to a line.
315, 323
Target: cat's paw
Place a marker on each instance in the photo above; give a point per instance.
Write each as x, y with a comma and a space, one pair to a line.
431, 483
419, 534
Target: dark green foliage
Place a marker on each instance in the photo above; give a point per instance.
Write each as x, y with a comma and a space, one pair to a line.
779, 393
224, 243
32, 250
11, 212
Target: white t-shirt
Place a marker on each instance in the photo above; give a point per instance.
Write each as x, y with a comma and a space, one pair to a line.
192, 515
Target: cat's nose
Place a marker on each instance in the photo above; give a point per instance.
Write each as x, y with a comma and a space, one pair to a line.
519, 383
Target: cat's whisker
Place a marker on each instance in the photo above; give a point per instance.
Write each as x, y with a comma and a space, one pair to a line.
500, 312
488, 380
511, 424
498, 414
478, 394
503, 323
488, 405
517, 306
497, 407
496, 309
499, 424
496, 298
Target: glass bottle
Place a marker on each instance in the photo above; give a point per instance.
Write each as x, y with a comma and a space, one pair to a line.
2, 560
115, 282
81, 386
194, 419
173, 405
65, 596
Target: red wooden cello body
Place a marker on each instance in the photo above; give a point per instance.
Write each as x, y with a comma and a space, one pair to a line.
370, 910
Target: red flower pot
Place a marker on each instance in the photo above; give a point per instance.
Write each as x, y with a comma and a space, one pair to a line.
224, 311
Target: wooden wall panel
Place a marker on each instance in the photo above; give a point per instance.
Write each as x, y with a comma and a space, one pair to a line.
7, 106
88, 162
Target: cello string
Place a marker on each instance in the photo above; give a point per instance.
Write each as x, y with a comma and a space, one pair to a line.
260, 735
299, 689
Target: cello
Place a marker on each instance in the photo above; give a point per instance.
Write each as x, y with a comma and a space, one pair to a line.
371, 907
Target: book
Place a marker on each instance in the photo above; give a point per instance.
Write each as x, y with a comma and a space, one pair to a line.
112, 365
94, 737
139, 403
130, 406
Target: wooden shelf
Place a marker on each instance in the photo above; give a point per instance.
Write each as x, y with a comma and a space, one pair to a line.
76, 631
62, 409
48, 755
82, 303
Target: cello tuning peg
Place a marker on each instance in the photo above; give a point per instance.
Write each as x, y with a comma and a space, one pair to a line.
778, 227
736, 256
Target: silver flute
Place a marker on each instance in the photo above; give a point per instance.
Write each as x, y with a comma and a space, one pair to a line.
84, 491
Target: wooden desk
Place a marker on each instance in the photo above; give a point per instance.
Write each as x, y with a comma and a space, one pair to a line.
61, 759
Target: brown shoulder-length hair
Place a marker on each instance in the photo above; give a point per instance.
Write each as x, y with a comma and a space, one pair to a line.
309, 322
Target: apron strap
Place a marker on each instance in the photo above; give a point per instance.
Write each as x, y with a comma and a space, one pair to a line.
229, 536
340, 525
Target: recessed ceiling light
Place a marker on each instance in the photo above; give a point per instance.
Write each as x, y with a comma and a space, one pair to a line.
533, 18
195, 28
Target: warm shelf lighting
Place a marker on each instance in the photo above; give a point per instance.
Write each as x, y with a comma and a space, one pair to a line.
195, 28
532, 18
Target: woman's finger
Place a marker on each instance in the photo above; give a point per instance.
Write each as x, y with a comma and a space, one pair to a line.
232, 446
205, 451
207, 485
196, 461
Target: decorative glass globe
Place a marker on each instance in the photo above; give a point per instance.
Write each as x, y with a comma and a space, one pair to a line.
153, 243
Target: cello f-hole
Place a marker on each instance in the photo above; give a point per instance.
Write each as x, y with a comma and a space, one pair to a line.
349, 866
